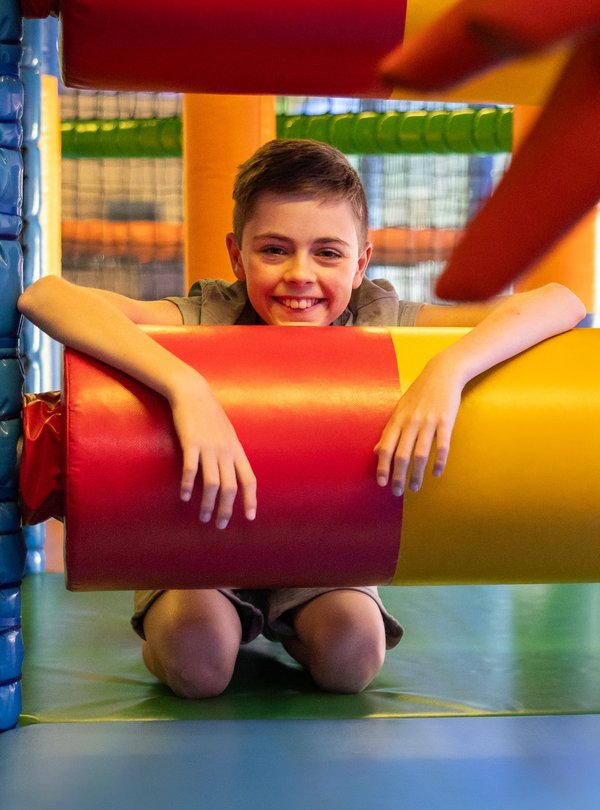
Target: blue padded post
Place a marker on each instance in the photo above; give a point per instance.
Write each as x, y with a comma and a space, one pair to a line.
12, 552
34, 343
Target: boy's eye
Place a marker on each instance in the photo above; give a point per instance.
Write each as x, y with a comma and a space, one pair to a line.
328, 253
273, 250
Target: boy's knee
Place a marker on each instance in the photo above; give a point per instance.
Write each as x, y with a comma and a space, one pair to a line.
195, 662
195, 680
347, 659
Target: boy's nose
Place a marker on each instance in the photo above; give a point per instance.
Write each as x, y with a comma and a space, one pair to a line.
298, 270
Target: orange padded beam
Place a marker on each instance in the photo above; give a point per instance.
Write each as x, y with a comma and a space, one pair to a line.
219, 133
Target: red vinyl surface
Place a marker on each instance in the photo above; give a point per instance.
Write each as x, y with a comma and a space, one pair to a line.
308, 405
42, 463
554, 179
297, 47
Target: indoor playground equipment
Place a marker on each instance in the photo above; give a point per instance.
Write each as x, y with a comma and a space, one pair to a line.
485, 130
472, 36
511, 445
463, 150
493, 697
122, 216
21, 249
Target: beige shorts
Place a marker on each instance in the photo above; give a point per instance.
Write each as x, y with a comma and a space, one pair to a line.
270, 612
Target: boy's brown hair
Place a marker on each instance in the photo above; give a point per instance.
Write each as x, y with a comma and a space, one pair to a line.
293, 166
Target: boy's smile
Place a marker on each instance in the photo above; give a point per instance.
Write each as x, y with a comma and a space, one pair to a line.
300, 258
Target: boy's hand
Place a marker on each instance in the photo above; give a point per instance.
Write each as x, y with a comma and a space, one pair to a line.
426, 411
209, 441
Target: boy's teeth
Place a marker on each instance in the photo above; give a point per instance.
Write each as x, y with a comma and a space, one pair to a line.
299, 303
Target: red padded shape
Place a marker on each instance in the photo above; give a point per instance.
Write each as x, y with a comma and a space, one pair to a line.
554, 179
39, 8
296, 47
42, 459
308, 406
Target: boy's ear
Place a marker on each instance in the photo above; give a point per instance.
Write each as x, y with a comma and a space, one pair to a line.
363, 263
235, 256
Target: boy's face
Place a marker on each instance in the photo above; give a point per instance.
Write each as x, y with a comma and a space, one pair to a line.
300, 258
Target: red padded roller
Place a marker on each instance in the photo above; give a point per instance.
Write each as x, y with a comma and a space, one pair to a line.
297, 47
308, 408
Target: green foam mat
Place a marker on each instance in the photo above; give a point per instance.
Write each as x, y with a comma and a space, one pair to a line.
468, 650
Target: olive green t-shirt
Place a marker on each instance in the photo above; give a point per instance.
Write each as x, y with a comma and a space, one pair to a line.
223, 303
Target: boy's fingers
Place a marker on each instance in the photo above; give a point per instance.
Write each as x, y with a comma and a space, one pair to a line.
385, 449
402, 459
247, 481
227, 493
439, 464
210, 487
384, 459
188, 475
401, 462
442, 450
421, 453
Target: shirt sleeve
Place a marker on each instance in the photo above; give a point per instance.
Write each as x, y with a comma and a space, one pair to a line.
212, 302
407, 312
190, 307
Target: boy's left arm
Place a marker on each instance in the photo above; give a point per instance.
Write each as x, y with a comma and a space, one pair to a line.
427, 411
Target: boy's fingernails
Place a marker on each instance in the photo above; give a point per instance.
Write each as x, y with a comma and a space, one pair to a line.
398, 489
205, 517
186, 495
251, 514
414, 486
222, 523
381, 480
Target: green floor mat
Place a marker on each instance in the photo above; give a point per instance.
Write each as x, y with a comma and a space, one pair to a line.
468, 650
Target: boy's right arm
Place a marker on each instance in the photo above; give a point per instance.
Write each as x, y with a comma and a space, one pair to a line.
103, 325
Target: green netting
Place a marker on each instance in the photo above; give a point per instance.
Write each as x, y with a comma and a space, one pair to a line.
136, 178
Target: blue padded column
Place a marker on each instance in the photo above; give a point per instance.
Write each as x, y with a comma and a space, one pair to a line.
34, 344
12, 550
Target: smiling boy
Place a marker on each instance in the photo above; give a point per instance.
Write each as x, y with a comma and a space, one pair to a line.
299, 250
294, 275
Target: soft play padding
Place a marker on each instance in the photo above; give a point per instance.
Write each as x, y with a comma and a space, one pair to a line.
471, 36
555, 173
42, 496
525, 763
308, 405
300, 47
467, 651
